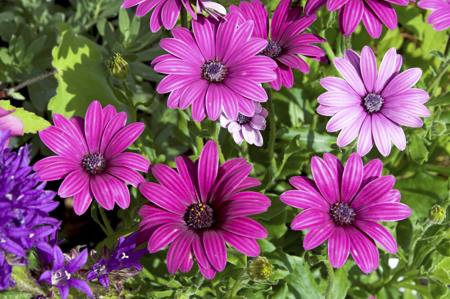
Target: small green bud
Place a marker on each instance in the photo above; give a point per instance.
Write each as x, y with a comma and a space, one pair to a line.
260, 268
437, 214
118, 66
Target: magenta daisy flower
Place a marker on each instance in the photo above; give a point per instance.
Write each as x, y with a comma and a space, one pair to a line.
245, 127
344, 205
166, 12
440, 13
215, 68
373, 13
10, 123
287, 41
91, 158
199, 208
372, 104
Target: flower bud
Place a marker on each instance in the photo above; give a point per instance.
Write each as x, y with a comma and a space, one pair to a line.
260, 268
118, 66
437, 214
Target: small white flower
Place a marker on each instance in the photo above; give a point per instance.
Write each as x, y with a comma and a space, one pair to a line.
245, 127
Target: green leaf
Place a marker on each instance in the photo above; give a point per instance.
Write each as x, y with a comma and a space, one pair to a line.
339, 285
32, 123
301, 281
81, 75
24, 282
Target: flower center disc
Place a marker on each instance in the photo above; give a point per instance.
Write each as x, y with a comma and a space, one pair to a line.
242, 119
93, 163
272, 50
214, 71
199, 216
342, 214
60, 277
373, 102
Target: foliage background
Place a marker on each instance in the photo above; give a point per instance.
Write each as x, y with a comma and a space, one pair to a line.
70, 43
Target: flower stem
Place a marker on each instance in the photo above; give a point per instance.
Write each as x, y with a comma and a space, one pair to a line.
106, 223
30, 81
329, 51
443, 68
198, 139
330, 280
184, 21
272, 136
216, 139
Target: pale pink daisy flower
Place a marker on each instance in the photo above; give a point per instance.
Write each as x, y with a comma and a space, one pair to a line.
440, 13
246, 127
372, 104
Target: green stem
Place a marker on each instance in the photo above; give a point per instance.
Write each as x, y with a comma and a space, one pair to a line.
330, 272
198, 139
443, 68
184, 21
330, 53
216, 139
107, 224
236, 287
348, 42
272, 135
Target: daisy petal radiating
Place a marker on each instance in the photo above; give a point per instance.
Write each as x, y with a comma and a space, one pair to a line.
372, 104
373, 13
440, 13
350, 222
91, 158
287, 43
165, 13
215, 69
206, 205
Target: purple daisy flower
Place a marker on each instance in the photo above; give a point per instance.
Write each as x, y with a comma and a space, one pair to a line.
10, 123
373, 13
344, 205
372, 104
215, 68
246, 127
166, 12
91, 158
121, 263
63, 272
199, 208
287, 41
440, 13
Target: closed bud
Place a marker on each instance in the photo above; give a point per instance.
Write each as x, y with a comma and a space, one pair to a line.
437, 214
118, 66
260, 268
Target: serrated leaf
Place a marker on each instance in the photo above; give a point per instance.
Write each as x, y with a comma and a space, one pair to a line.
32, 123
81, 75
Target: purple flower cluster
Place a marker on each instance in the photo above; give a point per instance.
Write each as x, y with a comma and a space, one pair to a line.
63, 270
24, 208
122, 262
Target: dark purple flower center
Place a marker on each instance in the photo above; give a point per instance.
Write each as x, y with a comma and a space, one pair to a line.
242, 119
214, 71
373, 102
272, 50
93, 163
342, 213
199, 216
99, 268
60, 277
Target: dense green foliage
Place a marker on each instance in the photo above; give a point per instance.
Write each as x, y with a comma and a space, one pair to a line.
72, 42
